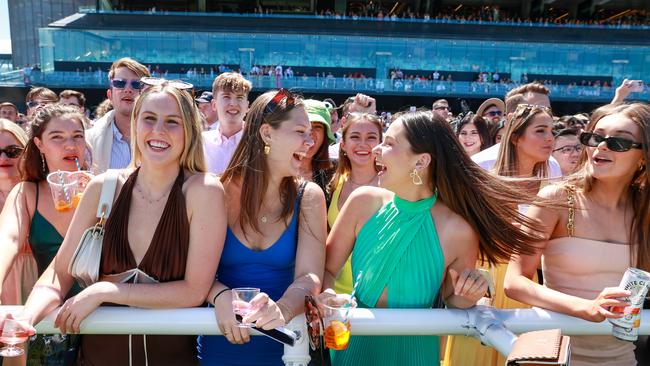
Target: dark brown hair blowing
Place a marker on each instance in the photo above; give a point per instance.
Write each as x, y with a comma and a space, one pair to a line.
485, 201
344, 166
31, 163
481, 125
638, 194
248, 166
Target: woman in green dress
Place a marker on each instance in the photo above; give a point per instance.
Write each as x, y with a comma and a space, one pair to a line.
421, 233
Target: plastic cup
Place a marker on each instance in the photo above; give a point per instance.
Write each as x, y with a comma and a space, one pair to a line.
64, 188
83, 177
336, 318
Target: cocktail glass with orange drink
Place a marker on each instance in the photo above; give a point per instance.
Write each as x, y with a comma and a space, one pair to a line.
63, 186
336, 319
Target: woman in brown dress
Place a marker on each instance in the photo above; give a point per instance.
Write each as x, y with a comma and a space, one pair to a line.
163, 238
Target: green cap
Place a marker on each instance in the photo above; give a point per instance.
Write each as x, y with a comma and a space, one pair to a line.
318, 112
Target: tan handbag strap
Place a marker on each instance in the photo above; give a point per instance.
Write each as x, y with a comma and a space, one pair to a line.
571, 201
108, 192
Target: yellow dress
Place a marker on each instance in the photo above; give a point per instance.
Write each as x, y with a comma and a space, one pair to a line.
468, 351
343, 283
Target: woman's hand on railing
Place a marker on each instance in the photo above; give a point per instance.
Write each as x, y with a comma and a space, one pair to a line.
227, 322
77, 308
598, 309
469, 287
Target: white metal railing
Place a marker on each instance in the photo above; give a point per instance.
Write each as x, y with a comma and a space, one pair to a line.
493, 327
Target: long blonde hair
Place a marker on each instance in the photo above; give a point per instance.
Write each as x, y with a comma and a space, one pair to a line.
638, 193
507, 160
192, 158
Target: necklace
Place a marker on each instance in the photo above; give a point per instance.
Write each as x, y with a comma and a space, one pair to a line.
355, 184
146, 197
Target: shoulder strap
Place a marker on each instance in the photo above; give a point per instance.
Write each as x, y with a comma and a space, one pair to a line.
301, 190
108, 192
36, 205
570, 196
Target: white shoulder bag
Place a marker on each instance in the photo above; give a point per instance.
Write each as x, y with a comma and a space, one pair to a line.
84, 265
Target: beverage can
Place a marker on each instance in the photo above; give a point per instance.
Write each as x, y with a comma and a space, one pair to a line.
628, 334
636, 281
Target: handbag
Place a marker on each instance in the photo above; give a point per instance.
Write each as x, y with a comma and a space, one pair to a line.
542, 347
84, 265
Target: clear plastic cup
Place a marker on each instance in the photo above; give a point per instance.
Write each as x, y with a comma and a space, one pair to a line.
63, 186
83, 177
336, 319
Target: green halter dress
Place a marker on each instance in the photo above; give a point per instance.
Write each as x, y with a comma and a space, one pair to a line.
397, 250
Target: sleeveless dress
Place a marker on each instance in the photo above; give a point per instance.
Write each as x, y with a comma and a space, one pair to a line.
397, 250
272, 271
165, 261
343, 283
44, 241
583, 268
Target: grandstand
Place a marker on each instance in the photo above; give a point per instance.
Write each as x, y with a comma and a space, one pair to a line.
357, 49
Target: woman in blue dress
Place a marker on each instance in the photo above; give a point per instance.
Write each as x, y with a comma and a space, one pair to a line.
273, 242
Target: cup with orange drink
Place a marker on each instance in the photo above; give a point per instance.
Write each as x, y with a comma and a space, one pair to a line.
82, 177
63, 186
336, 320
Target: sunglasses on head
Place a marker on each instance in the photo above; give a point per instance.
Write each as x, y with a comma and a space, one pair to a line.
524, 110
178, 84
280, 96
617, 144
121, 84
12, 151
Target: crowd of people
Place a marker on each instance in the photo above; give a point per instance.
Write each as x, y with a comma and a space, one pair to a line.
301, 197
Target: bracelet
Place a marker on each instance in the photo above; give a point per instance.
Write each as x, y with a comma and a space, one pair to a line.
285, 307
219, 293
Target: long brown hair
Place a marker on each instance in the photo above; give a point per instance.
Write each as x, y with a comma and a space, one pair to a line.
507, 161
638, 193
344, 167
32, 166
485, 201
248, 165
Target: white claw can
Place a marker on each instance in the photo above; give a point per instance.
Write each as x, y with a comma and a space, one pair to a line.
628, 334
636, 281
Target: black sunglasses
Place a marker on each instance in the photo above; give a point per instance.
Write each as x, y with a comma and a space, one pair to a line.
280, 96
494, 113
121, 84
618, 144
12, 151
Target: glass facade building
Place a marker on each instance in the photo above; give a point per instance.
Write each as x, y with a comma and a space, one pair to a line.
336, 51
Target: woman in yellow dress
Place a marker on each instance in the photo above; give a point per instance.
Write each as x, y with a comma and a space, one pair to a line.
525, 150
356, 168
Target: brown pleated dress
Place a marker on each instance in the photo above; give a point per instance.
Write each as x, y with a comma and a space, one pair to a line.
165, 261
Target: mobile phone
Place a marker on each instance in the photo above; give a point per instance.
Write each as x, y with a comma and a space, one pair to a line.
637, 86
279, 334
412, 109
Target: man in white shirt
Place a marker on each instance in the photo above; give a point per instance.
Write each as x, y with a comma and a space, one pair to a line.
230, 100
110, 136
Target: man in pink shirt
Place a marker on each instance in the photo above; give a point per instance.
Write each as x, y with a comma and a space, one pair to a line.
230, 100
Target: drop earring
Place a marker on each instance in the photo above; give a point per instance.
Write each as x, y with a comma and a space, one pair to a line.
417, 180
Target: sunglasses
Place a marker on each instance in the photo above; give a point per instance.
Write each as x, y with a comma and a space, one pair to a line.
12, 151
33, 104
566, 150
617, 144
280, 96
121, 84
178, 84
493, 113
525, 110
314, 325
441, 108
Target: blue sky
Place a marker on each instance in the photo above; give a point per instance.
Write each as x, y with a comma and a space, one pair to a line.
5, 38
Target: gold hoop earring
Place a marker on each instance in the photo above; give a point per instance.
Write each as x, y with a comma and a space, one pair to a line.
417, 180
267, 149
